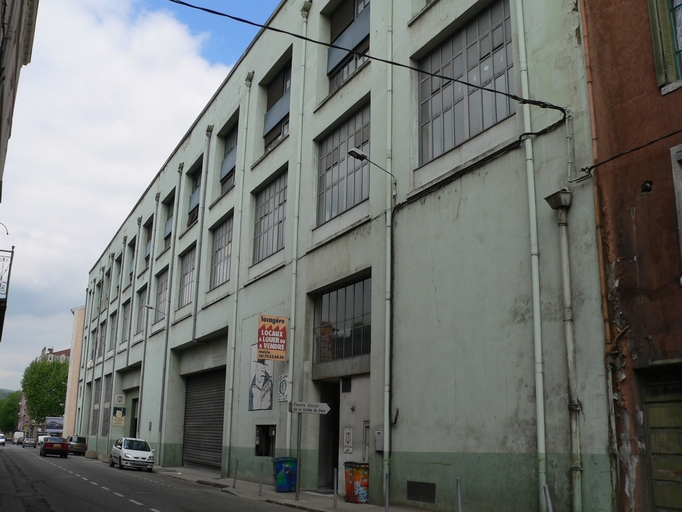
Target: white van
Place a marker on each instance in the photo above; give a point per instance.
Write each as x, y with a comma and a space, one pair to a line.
18, 437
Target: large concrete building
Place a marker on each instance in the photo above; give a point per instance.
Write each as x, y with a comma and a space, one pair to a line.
449, 315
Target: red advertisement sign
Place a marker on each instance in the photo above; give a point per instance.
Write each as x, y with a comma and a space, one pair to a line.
272, 337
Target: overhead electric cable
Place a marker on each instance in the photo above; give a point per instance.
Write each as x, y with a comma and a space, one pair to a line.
538, 103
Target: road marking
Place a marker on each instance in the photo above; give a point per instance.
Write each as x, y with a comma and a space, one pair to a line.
106, 488
120, 495
85, 479
136, 502
94, 483
154, 510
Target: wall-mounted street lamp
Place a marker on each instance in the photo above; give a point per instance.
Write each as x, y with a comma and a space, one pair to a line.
358, 154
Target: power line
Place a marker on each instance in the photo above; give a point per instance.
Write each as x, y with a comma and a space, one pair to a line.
538, 103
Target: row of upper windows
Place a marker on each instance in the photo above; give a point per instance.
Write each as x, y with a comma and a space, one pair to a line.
450, 114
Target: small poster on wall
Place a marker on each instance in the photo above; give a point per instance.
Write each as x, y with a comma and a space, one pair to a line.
261, 389
272, 337
119, 417
283, 389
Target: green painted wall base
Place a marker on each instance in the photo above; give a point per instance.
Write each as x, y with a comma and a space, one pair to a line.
171, 455
496, 481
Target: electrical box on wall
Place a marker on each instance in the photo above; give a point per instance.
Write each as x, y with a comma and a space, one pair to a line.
379, 440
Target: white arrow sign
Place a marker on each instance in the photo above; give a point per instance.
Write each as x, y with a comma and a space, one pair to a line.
309, 407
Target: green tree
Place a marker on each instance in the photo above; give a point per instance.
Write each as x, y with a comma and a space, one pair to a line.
9, 408
44, 385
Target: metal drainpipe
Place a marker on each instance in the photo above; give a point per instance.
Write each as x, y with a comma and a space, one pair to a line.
561, 202
145, 336
236, 251
101, 373
171, 267
305, 9
119, 319
88, 323
388, 306
200, 238
535, 265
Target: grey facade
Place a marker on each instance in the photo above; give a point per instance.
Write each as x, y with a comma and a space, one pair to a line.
423, 290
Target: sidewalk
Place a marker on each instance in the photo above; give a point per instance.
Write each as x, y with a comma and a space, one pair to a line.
308, 500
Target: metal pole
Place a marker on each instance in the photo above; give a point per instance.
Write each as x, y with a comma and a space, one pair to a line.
336, 485
548, 500
260, 480
459, 496
386, 490
236, 470
298, 455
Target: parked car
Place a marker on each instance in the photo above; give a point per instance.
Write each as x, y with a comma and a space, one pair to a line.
77, 445
55, 446
132, 453
29, 442
2, 439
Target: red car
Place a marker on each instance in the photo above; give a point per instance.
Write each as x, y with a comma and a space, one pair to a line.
55, 446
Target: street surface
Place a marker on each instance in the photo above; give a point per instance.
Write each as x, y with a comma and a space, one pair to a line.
30, 483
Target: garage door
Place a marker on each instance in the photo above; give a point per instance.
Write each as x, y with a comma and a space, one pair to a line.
664, 429
204, 412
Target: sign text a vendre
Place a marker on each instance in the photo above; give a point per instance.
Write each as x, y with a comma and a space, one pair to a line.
272, 337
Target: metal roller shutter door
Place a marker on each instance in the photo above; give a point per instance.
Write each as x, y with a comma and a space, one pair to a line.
204, 413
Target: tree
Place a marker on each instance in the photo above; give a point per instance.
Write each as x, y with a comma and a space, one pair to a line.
44, 385
9, 408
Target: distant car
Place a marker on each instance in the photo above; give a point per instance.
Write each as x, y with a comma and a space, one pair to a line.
29, 442
55, 446
77, 445
132, 453
41, 439
2, 439
18, 438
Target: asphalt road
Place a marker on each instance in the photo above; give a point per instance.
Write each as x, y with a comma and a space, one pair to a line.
30, 483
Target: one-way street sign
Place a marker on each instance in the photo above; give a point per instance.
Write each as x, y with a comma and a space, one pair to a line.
309, 407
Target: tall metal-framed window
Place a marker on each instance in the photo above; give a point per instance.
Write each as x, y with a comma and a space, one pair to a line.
141, 310
161, 296
343, 321
94, 423
349, 27
168, 226
102, 338
343, 182
481, 54
221, 253
113, 330
106, 411
187, 263
270, 218
665, 17
148, 242
229, 164
276, 123
193, 207
125, 335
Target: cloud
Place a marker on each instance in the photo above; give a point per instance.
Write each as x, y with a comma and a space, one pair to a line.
109, 93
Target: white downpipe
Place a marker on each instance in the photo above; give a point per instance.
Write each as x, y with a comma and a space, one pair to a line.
389, 252
297, 206
535, 267
236, 251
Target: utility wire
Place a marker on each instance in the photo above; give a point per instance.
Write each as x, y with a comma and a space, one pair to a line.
538, 103
589, 168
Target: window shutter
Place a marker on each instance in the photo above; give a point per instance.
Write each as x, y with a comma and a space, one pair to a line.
662, 39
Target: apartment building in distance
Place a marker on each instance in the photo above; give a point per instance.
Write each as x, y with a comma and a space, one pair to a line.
383, 226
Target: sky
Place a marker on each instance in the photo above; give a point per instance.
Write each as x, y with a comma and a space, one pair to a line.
111, 88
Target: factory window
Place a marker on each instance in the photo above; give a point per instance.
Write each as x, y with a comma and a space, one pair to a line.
349, 25
229, 164
481, 54
161, 296
270, 216
113, 330
665, 17
343, 321
195, 183
141, 302
126, 323
276, 124
221, 254
187, 262
343, 181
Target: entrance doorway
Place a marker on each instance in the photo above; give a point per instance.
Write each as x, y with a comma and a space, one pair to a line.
330, 392
133, 418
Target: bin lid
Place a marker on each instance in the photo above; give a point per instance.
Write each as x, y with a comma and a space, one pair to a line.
284, 459
351, 464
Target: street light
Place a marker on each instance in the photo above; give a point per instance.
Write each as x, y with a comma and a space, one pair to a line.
358, 154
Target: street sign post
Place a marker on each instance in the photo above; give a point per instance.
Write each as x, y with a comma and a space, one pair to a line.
302, 408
